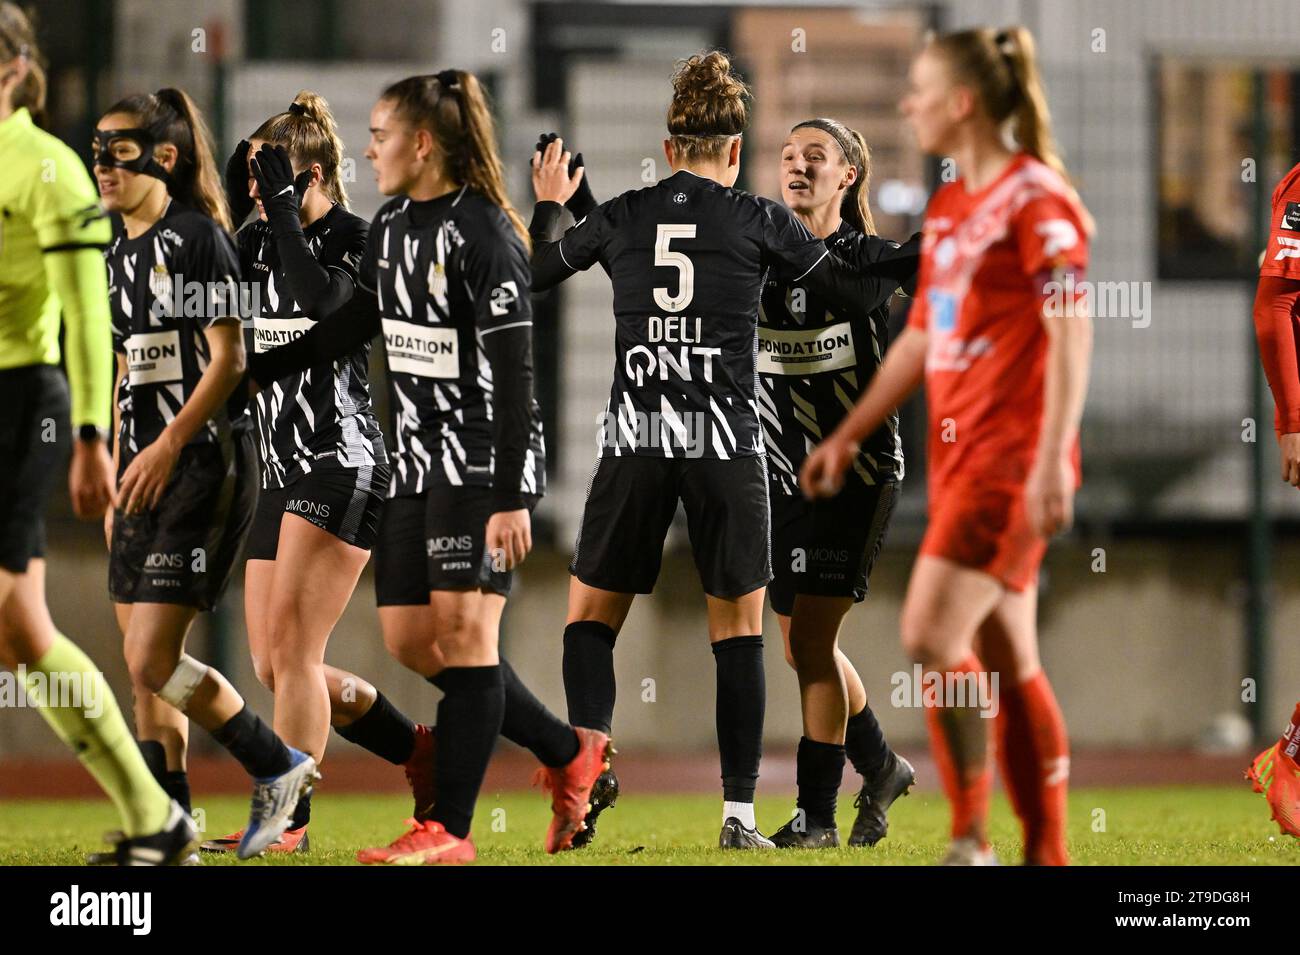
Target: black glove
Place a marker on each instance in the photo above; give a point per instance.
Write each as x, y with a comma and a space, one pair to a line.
582, 201
241, 203
281, 191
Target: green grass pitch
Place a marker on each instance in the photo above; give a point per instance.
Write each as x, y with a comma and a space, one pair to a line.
1178, 825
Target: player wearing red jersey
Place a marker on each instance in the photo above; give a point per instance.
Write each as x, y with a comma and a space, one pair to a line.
1004, 352
1277, 328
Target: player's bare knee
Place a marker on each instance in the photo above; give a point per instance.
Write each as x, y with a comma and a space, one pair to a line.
469, 639
407, 648
149, 671
812, 656
289, 656
922, 639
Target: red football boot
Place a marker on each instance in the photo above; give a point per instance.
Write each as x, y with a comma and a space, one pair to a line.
570, 787
425, 843
293, 840
1277, 776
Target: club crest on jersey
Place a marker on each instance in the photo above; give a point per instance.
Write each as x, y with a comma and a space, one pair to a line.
679, 198
160, 281
1291, 217
437, 281
504, 297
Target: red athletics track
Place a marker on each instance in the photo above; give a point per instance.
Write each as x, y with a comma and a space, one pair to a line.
649, 772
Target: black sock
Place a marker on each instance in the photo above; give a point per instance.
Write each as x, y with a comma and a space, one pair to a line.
254, 744
301, 813
383, 730
155, 757
742, 698
534, 727
469, 722
175, 783
820, 767
864, 741
589, 674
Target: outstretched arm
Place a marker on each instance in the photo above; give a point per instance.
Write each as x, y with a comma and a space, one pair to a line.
334, 336
1277, 330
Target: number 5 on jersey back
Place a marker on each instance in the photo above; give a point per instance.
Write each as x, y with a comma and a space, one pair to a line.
673, 304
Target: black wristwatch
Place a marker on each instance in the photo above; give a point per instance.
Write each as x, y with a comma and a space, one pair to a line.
91, 432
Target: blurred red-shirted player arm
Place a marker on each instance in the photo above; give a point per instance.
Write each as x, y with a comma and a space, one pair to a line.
1052, 235
1277, 329
1277, 306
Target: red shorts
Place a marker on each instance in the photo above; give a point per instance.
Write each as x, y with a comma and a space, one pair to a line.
985, 527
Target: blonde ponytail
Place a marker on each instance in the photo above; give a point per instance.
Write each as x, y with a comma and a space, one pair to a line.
1001, 66
1031, 120
308, 132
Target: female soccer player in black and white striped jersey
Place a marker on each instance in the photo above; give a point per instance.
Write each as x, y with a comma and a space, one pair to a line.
52, 281
687, 258
817, 351
445, 273
186, 464
324, 468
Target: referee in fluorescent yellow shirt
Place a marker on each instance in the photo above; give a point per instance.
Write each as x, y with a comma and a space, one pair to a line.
52, 233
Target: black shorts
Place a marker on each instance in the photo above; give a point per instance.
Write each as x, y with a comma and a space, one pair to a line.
327, 497
183, 551
630, 506
826, 548
34, 432
436, 541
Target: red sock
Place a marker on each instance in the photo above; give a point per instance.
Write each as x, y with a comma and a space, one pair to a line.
959, 741
1290, 743
1035, 757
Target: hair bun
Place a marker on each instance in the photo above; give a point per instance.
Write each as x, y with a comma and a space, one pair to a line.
708, 98
297, 109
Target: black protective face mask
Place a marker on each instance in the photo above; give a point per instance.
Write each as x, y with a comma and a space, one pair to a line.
130, 149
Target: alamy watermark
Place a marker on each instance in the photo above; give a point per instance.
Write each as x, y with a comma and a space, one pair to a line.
932, 689
685, 435
1067, 298
58, 690
176, 298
